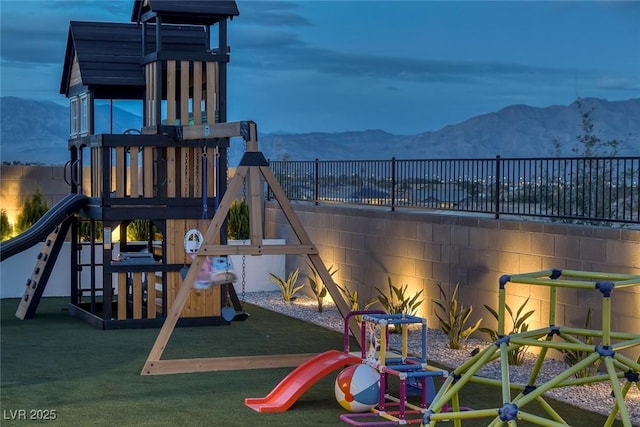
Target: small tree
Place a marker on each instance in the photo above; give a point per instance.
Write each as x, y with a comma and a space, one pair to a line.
5, 226
585, 191
34, 207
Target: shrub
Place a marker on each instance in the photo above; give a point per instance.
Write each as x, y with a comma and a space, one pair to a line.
5, 227
398, 301
354, 301
317, 287
85, 231
573, 357
238, 220
34, 207
138, 230
289, 286
516, 356
454, 318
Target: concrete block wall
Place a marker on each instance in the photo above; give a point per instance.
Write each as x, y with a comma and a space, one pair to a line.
19, 182
424, 249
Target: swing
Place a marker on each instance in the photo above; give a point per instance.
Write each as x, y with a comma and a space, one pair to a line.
214, 271
236, 313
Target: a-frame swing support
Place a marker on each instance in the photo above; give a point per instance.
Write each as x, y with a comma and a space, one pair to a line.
252, 167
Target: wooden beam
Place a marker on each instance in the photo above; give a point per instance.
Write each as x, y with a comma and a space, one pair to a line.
235, 363
214, 131
214, 250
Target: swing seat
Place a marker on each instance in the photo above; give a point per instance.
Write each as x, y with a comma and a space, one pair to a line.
231, 315
218, 272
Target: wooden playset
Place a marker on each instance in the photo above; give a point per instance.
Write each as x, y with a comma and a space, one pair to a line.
168, 175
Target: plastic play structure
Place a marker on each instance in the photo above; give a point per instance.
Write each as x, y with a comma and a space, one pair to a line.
511, 409
413, 373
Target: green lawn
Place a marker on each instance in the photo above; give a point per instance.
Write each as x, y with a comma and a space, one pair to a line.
92, 377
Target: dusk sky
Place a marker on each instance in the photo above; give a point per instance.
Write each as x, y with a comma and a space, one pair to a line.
404, 67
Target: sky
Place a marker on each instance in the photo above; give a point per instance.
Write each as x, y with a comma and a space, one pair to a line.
401, 66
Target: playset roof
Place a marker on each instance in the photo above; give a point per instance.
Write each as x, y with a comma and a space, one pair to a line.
201, 12
109, 56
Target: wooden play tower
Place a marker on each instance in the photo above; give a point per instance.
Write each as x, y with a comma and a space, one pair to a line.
170, 175
155, 175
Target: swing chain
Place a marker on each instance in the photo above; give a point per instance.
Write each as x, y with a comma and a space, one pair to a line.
185, 193
244, 257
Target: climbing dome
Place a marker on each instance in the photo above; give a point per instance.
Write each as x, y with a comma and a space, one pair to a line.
603, 344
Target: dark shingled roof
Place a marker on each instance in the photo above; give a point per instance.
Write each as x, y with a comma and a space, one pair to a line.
201, 12
109, 55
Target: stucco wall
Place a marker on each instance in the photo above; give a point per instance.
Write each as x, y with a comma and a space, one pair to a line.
423, 249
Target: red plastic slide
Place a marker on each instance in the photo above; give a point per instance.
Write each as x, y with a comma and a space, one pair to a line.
300, 380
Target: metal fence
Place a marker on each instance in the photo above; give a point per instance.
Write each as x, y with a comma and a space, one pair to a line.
593, 190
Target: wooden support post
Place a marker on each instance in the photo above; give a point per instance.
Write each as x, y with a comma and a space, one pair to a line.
154, 364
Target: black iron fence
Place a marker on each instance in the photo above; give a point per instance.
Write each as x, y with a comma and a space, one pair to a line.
577, 189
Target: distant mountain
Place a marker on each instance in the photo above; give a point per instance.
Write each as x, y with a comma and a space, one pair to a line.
514, 131
37, 132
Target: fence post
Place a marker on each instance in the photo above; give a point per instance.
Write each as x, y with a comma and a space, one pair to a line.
496, 197
315, 181
393, 184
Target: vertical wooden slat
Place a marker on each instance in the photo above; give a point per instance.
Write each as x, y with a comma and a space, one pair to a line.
171, 92
150, 93
159, 293
120, 172
184, 93
137, 295
210, 90
133, 172
197, 92
147, 94
151, 295
122, 296
147, 180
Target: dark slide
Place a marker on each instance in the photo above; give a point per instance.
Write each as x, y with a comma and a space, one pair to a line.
66, 207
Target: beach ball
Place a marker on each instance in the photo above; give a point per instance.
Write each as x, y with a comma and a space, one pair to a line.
357, 388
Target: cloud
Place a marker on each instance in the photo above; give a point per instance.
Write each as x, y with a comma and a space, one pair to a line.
271, 14
294, 54
35, 32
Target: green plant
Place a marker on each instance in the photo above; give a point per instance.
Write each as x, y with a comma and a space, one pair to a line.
289, 286
138, 230
454, 318
85, 231
354, 300
516, 356
238, 220
5, 227
34, 207
573, 357
398, 301
317, 287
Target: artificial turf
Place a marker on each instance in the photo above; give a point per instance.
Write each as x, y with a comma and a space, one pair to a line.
92, 377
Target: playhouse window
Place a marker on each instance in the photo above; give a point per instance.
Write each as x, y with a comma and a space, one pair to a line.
84, 115
74, 128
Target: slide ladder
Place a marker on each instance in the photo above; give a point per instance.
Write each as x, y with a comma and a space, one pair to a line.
42, 271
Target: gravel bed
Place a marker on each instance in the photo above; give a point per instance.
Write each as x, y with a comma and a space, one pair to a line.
594, 397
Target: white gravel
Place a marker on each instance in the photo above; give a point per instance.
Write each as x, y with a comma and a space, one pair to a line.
594, 397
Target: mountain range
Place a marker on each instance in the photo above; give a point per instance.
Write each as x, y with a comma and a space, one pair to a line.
37, 132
